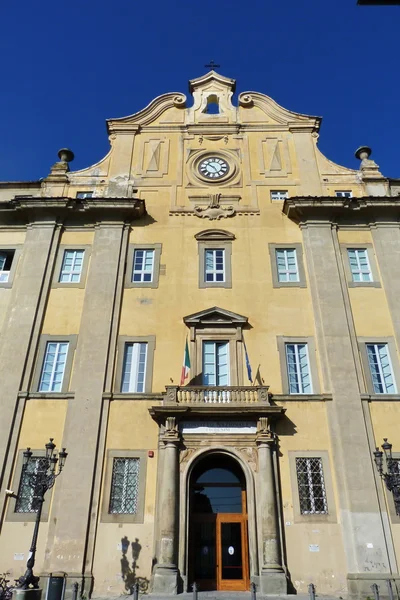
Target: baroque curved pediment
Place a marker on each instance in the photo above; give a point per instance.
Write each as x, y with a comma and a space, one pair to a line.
149, 114
276, 112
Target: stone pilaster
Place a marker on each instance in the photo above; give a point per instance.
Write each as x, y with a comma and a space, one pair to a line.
72, 518
20, 330
166, 574
363, 534
272, 577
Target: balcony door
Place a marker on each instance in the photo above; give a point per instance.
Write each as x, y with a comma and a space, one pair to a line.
218, 541
216, 370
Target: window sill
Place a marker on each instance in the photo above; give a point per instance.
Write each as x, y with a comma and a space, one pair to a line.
380, 397
132, 396
46, 395
301, 397
370, 284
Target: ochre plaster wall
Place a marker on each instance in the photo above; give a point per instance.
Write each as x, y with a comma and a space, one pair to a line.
307, 430
129, 427
42, 419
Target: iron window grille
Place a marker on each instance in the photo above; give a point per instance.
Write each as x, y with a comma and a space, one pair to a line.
311, 483
124, 486
28, 493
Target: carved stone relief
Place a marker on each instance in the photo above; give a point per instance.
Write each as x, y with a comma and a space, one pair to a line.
214, 210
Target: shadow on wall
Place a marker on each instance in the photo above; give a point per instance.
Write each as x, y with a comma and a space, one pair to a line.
128, 571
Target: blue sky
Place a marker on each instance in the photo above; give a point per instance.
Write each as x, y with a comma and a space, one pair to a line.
67, 66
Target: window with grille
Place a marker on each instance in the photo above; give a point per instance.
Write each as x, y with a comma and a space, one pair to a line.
28, 492
143, 265
6, 259
286, 262
53, 367
279, 194
134, 367
124, 486
359, 264
343, 194
381, 369
298, 369
71, 267
311, 484
214, 265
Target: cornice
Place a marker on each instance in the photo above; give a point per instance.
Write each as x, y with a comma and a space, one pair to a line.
328, 209
61, 210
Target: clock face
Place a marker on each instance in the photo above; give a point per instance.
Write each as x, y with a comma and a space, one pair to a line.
213, 167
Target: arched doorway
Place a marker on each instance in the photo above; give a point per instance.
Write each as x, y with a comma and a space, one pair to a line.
218, 538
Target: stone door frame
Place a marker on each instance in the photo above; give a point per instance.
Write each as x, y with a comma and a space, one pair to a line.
184, 515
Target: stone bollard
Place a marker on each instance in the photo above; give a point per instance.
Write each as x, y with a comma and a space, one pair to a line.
375, 591
195, 590
136, 591
253, 591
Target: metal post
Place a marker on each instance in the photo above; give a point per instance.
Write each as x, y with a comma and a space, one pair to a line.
375, 590
253, 591
390, 589
75, 587
195, 590
136, 591
311, 591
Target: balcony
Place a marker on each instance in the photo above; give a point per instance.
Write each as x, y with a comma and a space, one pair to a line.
203, 395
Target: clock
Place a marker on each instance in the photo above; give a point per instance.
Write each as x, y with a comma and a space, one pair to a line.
213, 167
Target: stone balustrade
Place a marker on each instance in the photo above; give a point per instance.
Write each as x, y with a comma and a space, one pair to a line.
216, 395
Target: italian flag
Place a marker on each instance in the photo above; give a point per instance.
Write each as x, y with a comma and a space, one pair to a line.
186, 364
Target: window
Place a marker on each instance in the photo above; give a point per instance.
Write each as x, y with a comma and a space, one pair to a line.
311, 486
359, 264
71, 267
27, 501
279, 194
381, 369
215, 363
214, 264
343, 194
215, 254
143, 266
53, 367
84, 195
6, 259
134, 367
124, 486
287, 265
298, 369
286, 261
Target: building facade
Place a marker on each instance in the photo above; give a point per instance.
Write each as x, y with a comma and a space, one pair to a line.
220, 233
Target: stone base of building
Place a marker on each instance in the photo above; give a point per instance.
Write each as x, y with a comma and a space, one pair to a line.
165, 580
273, 582
31, 594
359, 584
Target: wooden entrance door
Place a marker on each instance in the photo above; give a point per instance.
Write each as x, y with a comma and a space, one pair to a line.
219, 552
218, 541
232, 553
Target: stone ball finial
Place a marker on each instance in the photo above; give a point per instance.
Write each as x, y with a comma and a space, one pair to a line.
363, 152
66, 155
